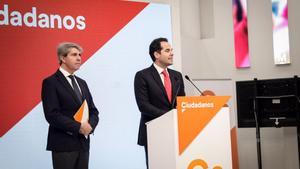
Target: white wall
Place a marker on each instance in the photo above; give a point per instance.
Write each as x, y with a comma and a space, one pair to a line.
213, 58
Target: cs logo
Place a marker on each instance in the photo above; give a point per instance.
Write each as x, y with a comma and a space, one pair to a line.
201, 163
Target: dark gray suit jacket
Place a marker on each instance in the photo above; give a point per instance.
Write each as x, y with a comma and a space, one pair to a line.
60, 104
151, 96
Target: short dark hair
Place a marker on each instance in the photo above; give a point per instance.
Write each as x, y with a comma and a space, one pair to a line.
155, 46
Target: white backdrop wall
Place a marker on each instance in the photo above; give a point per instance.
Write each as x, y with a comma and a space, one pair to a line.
110, 75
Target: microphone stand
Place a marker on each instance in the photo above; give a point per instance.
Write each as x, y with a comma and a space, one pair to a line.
187, 78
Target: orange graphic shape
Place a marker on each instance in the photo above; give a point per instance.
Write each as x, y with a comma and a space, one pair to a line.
234, 150
191, 121
198, 162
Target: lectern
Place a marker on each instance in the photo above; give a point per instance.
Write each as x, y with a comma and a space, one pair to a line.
197, 133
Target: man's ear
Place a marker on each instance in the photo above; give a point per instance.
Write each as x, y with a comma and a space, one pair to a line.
62, 58
157, 55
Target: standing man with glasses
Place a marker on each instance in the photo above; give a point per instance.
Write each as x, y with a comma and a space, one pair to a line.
157, 87
62, 95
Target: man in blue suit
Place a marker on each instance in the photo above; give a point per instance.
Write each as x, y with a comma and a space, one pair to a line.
62, 95
157, 87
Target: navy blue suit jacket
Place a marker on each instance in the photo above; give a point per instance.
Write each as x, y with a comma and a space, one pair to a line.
60, 104
151, 96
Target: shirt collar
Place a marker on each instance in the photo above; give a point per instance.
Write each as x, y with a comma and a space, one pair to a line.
64, 72
159, 69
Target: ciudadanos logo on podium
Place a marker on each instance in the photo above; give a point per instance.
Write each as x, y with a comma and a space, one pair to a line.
199, 131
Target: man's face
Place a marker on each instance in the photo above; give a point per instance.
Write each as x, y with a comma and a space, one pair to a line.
164, 58
72, 61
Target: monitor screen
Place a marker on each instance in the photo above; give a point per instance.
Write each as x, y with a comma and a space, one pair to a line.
277, 102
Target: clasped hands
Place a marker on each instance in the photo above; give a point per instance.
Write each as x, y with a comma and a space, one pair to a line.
85, 128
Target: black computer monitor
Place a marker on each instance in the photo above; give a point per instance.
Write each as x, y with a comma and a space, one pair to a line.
277, 102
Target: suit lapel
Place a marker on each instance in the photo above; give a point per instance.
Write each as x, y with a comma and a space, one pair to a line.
61, 78
175, 83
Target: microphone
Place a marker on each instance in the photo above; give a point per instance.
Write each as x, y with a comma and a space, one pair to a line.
187, 78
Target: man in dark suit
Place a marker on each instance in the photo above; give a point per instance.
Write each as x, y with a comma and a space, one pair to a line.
157, 87
62, 95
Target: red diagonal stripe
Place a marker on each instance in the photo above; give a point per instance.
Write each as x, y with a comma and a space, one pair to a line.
29, 53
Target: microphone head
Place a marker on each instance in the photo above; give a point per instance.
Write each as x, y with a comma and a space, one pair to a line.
187, 77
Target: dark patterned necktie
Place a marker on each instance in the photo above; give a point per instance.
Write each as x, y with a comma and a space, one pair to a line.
76, 88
